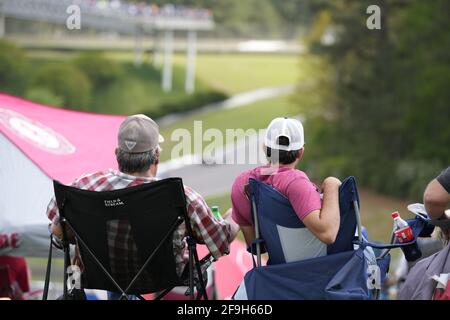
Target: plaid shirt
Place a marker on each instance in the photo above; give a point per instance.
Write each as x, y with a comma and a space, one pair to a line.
213, 233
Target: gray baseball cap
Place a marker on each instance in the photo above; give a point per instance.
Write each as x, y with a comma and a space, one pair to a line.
139, 133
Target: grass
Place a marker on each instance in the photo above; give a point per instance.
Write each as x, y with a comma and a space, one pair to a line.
38, 267
230, 73
234, 73
253, 116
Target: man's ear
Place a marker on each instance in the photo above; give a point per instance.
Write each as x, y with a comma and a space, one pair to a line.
116, 151
300, 153
158, 156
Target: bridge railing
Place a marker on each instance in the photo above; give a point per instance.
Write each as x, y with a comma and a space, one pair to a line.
55, 11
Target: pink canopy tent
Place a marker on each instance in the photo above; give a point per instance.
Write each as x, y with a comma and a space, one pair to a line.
40, 143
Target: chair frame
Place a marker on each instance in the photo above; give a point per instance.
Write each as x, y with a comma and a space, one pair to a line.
257, 242
258, 233
192, 262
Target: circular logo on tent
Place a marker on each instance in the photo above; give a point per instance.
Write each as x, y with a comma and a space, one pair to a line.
35, 133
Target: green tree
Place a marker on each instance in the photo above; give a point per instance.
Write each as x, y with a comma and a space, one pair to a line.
67, 82
100, 70
44, 96
389, 105
13, 68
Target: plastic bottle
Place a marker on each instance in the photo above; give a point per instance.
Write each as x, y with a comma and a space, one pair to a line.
403, 233
402, 230
216, 212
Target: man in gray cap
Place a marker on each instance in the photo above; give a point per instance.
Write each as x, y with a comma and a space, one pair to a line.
137, 156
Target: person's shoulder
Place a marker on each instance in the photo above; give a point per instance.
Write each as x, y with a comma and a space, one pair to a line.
243, 177
297, 175
192, 195
86, 178
299, 180
423, 264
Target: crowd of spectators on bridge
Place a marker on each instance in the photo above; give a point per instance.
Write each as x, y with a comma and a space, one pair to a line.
140, 9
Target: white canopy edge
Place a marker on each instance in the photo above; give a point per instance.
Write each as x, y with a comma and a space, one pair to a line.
25, 192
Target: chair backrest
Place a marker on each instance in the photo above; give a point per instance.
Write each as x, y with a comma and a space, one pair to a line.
348, 204
286, 238
146, 215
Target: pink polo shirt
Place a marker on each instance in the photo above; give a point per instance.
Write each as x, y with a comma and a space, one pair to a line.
303, 195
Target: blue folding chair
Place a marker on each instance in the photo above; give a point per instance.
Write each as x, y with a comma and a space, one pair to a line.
300, 266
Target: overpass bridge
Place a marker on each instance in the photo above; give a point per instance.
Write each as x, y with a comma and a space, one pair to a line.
124, 18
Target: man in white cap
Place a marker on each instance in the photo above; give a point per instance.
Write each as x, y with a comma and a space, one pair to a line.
284, 148
137, 156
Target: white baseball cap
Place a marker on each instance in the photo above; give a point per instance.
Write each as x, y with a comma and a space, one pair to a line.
285, 127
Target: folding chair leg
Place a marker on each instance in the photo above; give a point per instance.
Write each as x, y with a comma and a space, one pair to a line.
191, 274
48, 271
163, 294
200, 277
66, 248
193, 261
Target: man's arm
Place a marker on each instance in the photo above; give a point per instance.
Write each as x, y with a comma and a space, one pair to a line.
234, 227
249, 234
215, 234
324, 223
436, 198
53, 216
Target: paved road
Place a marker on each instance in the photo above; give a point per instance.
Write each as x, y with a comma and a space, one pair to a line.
210, 180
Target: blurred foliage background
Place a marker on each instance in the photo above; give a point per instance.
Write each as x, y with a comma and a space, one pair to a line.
381, 109
376, 102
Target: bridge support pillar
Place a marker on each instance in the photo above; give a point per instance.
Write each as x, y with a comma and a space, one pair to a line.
168, 53
2, 25
138, 49
157, 50
190, 64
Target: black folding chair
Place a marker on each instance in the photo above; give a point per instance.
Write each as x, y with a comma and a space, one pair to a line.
153, 212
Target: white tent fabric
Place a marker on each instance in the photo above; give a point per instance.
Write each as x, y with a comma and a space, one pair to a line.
23, 226
39, 144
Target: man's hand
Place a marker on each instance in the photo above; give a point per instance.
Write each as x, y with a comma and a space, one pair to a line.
234, 227
57, 231
330, 183
324, 223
